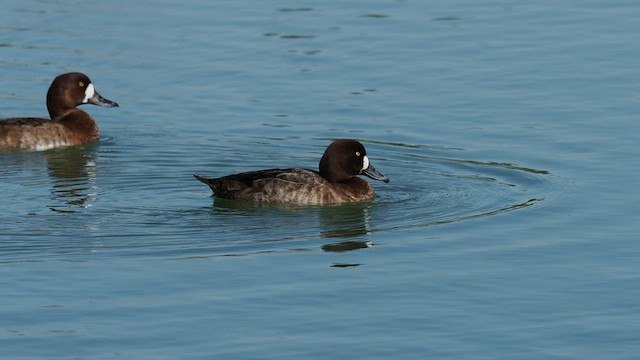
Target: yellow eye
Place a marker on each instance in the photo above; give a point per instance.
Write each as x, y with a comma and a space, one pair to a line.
81, 84
357, 153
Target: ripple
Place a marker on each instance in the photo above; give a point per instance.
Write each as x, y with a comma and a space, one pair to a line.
297, 37
113, 210
447, 18
300, 9
433, 189
375, 16
430, 186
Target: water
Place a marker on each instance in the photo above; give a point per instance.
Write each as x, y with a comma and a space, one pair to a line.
508, 229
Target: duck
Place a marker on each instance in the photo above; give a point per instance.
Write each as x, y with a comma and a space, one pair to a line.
336, 182
67, 125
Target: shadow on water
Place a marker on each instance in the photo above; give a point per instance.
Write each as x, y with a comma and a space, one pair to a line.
73, 177
62, 182
349, 223
70, 173
329, 222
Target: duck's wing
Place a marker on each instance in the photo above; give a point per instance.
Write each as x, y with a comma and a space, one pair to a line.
302, 176
249, 178
256, 181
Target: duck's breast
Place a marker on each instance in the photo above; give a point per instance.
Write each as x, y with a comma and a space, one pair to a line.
352, 190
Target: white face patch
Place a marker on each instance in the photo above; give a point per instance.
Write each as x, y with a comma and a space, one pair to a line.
88, 94
365, 162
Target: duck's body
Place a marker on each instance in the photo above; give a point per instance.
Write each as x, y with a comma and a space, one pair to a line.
291, 186
335, 183
67, 126
42, 134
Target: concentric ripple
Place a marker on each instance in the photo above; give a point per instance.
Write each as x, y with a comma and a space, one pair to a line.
436, 187
429, 186
93, 208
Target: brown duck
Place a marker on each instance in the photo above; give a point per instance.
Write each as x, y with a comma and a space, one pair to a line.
336, 182
67, 126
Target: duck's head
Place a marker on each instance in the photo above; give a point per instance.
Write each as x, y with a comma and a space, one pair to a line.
346, 158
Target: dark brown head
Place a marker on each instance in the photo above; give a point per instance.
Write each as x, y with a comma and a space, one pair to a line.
70, 90
345, 159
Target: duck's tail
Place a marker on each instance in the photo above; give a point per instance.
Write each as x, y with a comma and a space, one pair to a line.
201, 178
206, 181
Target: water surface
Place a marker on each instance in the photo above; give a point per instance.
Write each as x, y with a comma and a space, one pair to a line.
508, 131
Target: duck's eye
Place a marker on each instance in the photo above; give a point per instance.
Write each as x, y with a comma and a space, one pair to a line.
81, 84
357, 153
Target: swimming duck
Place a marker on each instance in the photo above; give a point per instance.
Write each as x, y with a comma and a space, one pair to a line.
335, 183
67, 126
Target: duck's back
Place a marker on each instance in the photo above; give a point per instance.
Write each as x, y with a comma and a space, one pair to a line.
27, 121
288, 186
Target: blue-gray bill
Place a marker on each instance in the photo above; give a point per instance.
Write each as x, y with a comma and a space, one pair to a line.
97, 99
374, 174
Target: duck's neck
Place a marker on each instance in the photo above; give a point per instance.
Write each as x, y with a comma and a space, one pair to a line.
57, 114
58, 109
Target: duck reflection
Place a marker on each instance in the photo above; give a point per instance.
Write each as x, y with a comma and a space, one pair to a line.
345, 220
73, 174
343, 223
347, 246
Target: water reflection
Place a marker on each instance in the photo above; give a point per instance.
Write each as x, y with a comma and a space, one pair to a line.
347, 246
345, 220
73, 174
336, 222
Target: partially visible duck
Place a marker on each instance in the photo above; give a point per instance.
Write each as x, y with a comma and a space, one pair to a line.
67, 126
335, 183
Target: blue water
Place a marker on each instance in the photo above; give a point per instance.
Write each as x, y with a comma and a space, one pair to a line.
509, 229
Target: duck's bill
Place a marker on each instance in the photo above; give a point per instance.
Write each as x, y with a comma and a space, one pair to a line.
97, 99
374, 174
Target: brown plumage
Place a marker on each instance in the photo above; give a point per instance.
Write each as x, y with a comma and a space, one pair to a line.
67, 126
335, 183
